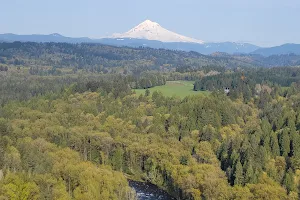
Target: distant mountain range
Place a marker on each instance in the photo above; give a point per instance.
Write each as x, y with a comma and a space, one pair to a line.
151, 34
205, 48
279, 50
55, 37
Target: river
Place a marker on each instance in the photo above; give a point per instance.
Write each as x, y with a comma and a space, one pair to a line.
148, 191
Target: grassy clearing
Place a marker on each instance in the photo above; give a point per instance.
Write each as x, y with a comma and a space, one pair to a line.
285, 88
175, 88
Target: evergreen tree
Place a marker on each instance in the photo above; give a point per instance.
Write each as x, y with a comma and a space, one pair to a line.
238, 174
295, 147
274, 145
117, 159
249, 176
284, 143
288, 181
147, 92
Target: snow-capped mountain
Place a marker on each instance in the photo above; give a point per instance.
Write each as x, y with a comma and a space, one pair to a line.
152, 35
153, 31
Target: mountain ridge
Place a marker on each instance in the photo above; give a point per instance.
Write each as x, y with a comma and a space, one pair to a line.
135, 38
288, 48
206, 48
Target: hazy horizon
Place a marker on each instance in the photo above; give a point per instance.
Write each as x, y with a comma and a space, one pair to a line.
267, 23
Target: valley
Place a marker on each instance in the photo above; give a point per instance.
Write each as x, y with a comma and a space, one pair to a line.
149, 100
82, 129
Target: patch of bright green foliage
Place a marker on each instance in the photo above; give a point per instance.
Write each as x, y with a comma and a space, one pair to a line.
285, 88
175, 88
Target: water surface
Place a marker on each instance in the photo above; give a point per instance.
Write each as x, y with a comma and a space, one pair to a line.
148, 191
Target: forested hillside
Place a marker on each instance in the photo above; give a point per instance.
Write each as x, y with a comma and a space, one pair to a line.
104, 59
289, 59
61, 145
83, 134
250, 82
99, 58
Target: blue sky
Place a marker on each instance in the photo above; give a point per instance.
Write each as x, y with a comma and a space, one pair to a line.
261, 22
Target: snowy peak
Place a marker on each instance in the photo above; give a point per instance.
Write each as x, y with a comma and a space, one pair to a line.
153, 31
147, 24
56, 35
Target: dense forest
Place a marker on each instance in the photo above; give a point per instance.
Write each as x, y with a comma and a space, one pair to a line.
99, 58
262, 61
81, 135
250, 82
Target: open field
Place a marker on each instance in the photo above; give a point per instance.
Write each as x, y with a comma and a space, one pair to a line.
285, 88
175, 88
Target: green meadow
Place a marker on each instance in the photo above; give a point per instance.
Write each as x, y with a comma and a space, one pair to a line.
174, 88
